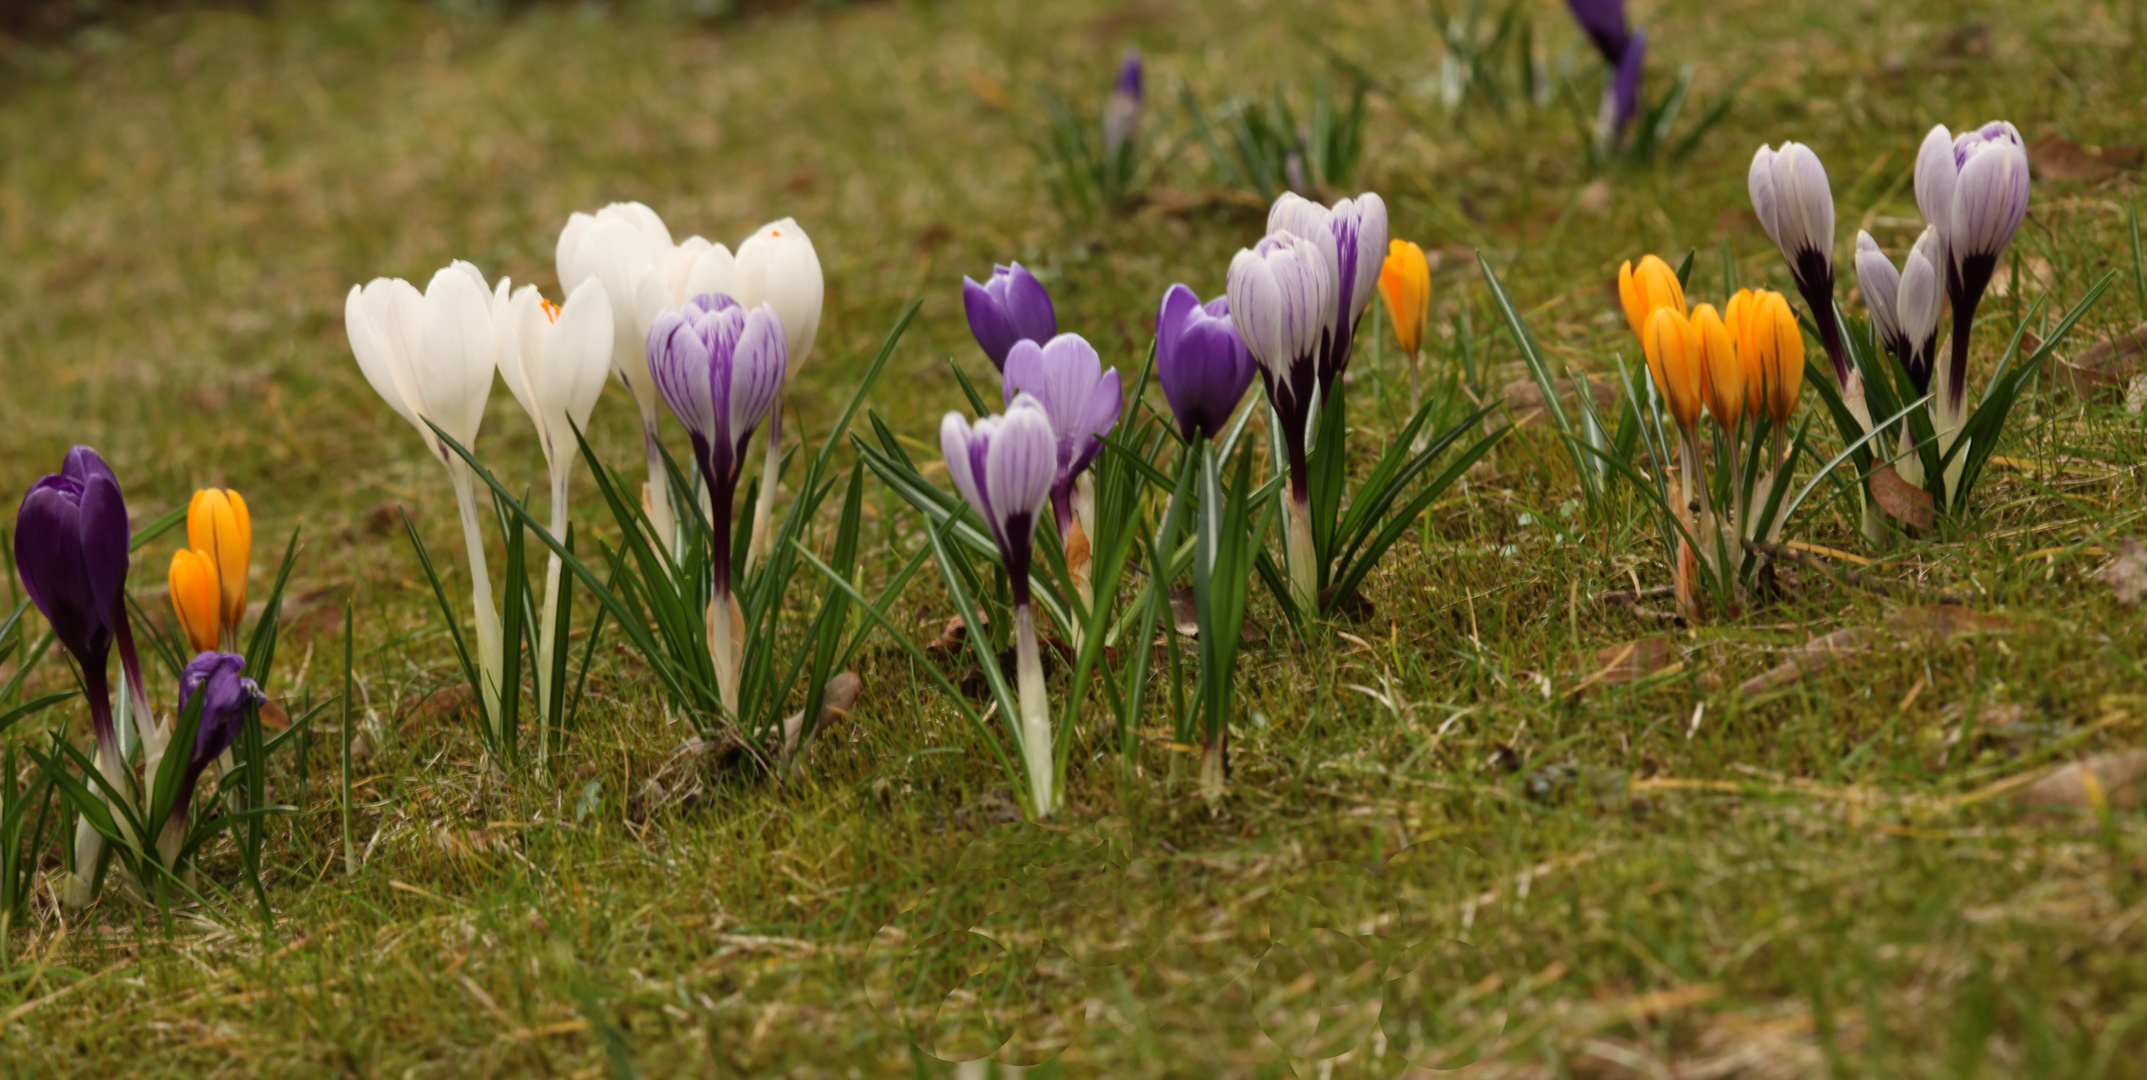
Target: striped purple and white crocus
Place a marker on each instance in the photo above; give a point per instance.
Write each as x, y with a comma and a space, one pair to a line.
1005, 308
1005, 466
1791, 196
719, 367
1082, 401
1283, 302
1974, 190
1351, 237
1905, 306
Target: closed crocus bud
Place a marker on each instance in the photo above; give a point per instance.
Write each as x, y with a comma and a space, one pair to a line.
1721, 375
429, 356
1935, 175
225, 696
1791, 196
195, 599
1621, 99
219, 527
1351, 237
1009, 306
1774, 333
1282, 302
1881, 286
71, 545
1201, 362
719, 367
1737, 318
1405, 284
1644, 289
1674, 361
626, 247
777, 266
1990, 200
1919, 305
1079, 398
1004, 467
1122, 113
554, 358
1604, 23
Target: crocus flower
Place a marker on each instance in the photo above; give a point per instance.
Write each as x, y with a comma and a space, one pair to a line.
1722, 383
1674, 362
1975, 192
1405, 284
1919, 304
554, 360
220, 528
1008, 307
1078, 396
431, 358
1122, 113
195, 598
719, 367
1790, 194
1621, 99
627, 247
1004, 466
1770, 347
1282, 301
1201, 362
225, 696
778, 267
71, 549
1643, 289
1604, 23
1880, 283
1351, 237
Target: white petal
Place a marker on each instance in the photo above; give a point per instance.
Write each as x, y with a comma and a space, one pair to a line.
581, 348
454, 371
778, 266
563, 254
713, 271
519, 344
375, 358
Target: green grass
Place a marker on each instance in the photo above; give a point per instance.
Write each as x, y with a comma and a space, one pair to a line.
1793, 887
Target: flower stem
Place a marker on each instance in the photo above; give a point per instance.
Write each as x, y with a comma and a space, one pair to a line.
656, 494
725, 641
548, 625
1298, 544
488, 628
771, 464
1036, 748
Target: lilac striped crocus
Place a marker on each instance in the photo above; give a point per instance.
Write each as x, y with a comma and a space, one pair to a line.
225, 695
1791, 196
1905, 305
1201, 362
719, 367
1005, 467
71, 550
1974, 189
1082, 402
1282, 297
1351, 238
1122, 113
1009, 307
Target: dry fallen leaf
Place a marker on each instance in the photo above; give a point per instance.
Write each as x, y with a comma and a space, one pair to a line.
2109, 362
1946, 620
2055, 158
1900, 500
2126, 575
1813, 655
2116, 780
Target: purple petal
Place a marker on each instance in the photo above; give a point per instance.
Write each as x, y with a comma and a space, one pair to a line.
1028, 304
1604, 23
988, 323
48, 558
105, 538
1625, 88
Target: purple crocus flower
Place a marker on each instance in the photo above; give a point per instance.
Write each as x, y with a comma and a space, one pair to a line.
719, 367
1351, 237
1081, 400
1122, 113
1200, 360
71, 545
1010, 307
1795, 205
1604, 23
1005, 467
1622, 97
1282, 304
1976, 192
226, 695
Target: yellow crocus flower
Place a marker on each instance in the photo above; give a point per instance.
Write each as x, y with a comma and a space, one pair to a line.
1653, 285
195, 598
1673, 360
219, 528
1405, 284
1722, 379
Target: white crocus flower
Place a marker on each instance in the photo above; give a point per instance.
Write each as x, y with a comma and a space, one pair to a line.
554, 359
627, 247
431, 357
777, 266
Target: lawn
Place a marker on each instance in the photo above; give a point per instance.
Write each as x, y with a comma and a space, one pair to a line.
1614, 862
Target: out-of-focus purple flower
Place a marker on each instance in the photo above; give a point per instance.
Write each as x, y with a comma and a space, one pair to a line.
71, 543
1012, 306
1079, 398
1351, 237
1004, 466
226, 695
1604, 23
1201, 361
1622, 97
1795, 205
1122, 113
719, 367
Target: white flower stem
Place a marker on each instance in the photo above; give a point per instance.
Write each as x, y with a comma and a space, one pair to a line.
656, 494
724, 645
764, 506
488, 629
1036, 748
548, 621
1303, 579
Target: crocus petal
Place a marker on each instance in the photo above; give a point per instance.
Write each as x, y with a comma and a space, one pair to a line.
1990, 196
1624, 89
1935, 176
1881, 286
757, 369
1759, 182
1604, 23
578, 356
1020, 465
106, 540
777, 266
454, 371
